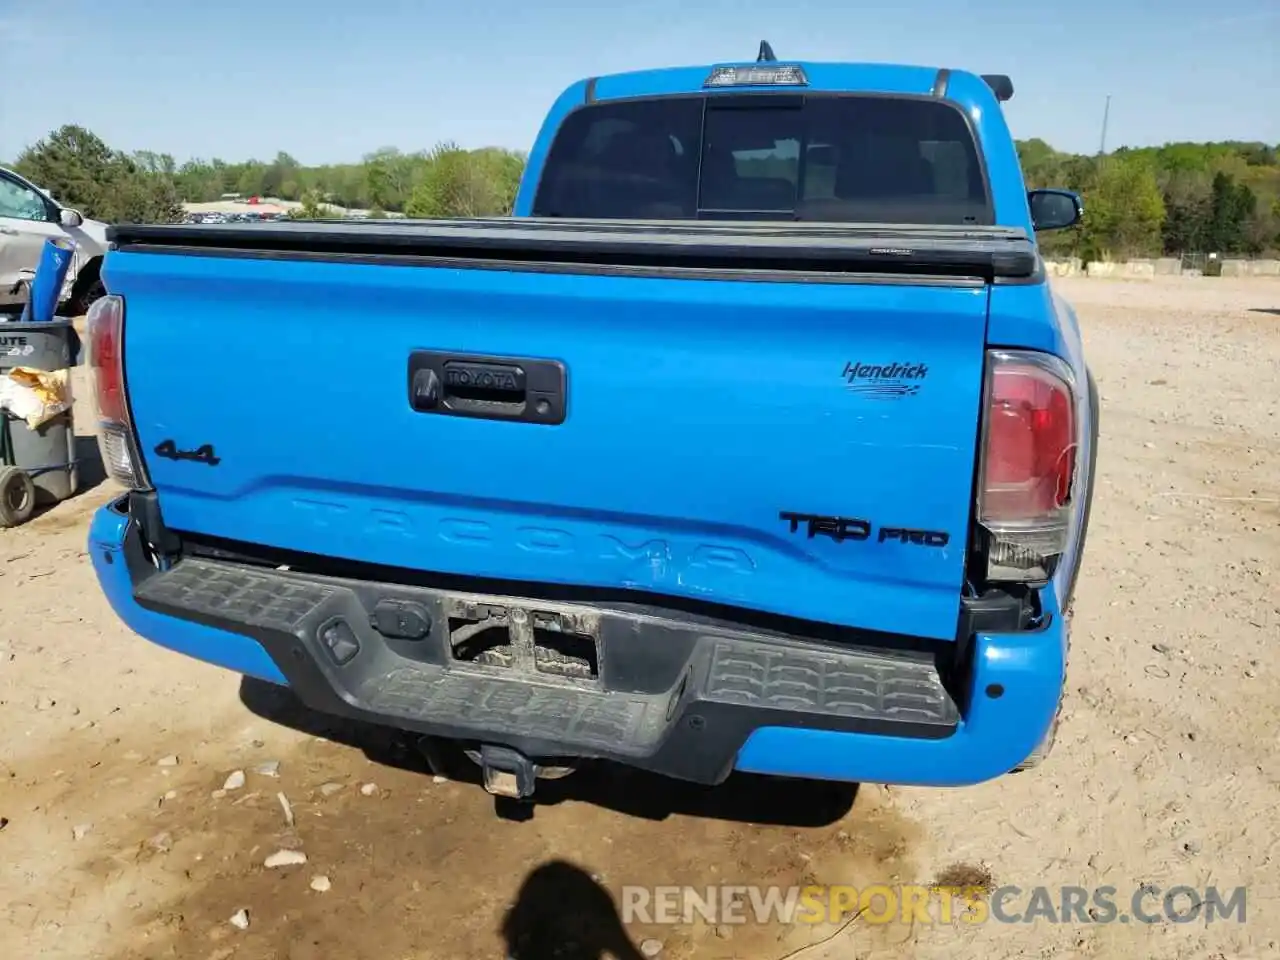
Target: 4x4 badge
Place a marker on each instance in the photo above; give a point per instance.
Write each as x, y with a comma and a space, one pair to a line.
202, 454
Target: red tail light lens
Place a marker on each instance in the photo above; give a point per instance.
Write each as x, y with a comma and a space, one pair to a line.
1031, 431
116, 442
1028, 469
105, 327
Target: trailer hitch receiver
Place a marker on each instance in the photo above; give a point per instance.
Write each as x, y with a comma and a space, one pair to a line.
507, 772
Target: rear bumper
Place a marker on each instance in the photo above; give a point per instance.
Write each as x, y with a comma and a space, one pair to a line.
687, 698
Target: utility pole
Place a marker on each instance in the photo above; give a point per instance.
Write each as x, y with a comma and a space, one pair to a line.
1106, 113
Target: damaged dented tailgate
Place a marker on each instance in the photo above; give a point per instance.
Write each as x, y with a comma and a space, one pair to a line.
800, 448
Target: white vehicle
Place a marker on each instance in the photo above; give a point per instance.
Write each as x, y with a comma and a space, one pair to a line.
28, 217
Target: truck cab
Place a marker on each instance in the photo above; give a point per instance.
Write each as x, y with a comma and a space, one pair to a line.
755, 440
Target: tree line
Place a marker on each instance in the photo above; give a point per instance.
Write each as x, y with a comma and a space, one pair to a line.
82, 171
446, 181
1175, 199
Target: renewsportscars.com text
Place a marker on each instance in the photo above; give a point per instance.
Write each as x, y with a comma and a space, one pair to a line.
919, 903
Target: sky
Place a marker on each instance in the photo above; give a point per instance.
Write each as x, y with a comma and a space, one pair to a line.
331, 80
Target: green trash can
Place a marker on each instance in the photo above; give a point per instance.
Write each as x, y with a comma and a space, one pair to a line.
37, 467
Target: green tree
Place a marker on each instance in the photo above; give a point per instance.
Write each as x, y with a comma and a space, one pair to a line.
462, 183
78, 168
251, 179
1188, 206
139, 198
388, 178
277, 174
1042, 166
314, 207
1231, 207
1124, 211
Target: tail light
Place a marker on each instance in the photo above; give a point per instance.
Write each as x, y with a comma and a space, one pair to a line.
116, 439
1028, 470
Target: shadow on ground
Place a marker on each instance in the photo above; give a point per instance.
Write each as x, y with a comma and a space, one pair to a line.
92, 472
1274, 311
743, 798
560, 910
560, 913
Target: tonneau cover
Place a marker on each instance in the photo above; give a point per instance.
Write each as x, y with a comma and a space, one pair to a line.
983, 252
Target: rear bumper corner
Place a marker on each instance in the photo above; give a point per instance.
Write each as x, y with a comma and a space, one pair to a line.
113, 566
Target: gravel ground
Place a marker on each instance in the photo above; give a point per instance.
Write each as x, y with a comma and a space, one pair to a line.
141, 792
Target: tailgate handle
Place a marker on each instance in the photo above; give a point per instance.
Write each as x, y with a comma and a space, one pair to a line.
479, 384
490, 388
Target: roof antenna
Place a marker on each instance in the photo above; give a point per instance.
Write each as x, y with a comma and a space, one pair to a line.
766, 53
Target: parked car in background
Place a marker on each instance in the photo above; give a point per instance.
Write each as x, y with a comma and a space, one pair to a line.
29, 216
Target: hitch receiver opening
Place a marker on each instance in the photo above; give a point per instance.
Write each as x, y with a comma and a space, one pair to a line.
507, 772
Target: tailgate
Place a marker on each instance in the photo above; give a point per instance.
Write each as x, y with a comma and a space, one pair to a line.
800, 448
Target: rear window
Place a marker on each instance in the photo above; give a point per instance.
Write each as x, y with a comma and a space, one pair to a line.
767, 157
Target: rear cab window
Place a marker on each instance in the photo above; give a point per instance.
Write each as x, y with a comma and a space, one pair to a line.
815, 157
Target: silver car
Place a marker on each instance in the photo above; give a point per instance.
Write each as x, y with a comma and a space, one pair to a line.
29, 216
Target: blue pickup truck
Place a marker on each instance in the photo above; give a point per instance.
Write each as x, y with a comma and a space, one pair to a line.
756, 440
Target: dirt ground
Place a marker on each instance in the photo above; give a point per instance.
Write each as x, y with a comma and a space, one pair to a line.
117, 843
